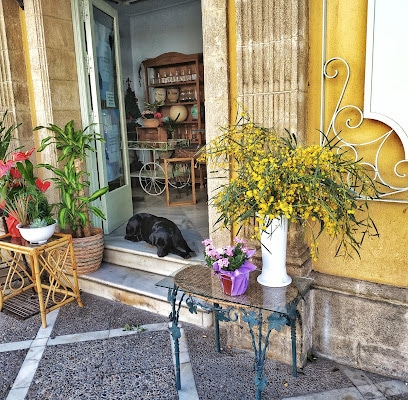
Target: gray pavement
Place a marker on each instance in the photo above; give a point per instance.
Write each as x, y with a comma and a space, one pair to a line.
108, 350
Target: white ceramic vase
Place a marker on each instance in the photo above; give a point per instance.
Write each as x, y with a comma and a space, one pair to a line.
273, 245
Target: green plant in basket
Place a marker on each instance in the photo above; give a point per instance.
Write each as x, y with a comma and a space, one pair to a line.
70, 176
322, 187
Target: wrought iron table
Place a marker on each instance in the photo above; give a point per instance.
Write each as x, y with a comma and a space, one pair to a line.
40, 268
259, 306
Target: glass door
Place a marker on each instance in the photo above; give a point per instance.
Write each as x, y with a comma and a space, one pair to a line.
102, 102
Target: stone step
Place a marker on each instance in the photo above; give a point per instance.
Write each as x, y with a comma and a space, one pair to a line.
137, 288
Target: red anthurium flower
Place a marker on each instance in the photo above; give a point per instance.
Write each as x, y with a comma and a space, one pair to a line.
22, 156
42, 185
14, 172
5, 167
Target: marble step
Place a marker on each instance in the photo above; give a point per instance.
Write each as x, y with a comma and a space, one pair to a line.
137, 288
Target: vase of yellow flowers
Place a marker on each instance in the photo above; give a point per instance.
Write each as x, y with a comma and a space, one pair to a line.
322, 187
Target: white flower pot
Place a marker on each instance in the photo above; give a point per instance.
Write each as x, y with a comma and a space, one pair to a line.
37, 235
273, 245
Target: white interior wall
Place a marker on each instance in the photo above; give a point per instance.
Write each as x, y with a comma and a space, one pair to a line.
160, 28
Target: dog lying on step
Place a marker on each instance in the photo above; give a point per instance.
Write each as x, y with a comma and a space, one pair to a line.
159, 232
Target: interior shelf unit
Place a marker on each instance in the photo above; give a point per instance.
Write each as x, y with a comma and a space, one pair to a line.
185, 73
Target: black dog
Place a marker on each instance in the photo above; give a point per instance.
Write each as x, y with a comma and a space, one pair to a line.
158, 231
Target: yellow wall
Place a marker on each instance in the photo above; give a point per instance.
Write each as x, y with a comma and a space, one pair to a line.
383, 260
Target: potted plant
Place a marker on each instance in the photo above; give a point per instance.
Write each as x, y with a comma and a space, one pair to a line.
231, 264
25, 206
150, 116
322, 187
75, 205
170, 125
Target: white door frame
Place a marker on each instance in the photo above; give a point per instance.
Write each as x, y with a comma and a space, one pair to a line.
117, 203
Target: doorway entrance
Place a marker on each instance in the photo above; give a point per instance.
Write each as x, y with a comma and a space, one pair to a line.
103, 79
147, 30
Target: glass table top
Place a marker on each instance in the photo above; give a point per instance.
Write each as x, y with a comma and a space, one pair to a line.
199, 281
7, 241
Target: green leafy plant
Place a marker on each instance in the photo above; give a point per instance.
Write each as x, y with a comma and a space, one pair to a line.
170, 125
322, 187
70, 176
6, 135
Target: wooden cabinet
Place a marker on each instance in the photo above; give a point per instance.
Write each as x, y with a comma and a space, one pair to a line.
181, 76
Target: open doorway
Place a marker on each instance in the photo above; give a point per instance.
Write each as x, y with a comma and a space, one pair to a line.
147, 29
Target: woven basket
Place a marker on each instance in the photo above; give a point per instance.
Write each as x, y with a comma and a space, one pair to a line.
88, 252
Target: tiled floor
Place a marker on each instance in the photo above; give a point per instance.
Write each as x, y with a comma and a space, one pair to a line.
92, 353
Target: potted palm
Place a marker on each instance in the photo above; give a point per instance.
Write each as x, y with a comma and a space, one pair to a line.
75, 203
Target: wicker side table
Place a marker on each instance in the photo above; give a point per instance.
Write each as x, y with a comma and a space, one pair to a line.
41, 269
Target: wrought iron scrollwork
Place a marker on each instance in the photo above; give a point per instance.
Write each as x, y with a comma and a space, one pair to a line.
351, 117
260, 344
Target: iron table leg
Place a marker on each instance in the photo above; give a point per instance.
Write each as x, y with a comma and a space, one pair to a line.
175, 329
255, 319
217, 328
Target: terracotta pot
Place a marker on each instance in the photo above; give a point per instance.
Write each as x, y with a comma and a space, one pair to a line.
151, 122
173, 94
234, 285
88, 252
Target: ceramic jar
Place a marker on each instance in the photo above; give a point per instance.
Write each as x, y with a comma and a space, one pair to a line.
173, 94
194, 112
159, 94
178, 113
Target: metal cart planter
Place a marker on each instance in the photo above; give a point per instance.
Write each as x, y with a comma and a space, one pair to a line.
151, 176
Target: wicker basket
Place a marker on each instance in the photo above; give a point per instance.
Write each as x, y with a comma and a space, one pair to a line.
88, 252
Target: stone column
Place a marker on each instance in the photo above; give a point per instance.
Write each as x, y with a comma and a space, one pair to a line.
217, 97
51, 53
272, 73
